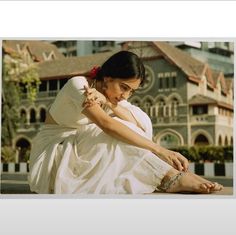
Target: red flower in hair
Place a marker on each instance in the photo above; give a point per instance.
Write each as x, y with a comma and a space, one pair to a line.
93, 72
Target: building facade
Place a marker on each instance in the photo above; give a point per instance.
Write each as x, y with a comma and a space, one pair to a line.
81, 47
188, 102
219, 55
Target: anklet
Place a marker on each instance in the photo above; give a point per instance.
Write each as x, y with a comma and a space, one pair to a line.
166, 185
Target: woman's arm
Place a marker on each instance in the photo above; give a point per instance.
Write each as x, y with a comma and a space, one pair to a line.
94, 96
123, 113
120, 131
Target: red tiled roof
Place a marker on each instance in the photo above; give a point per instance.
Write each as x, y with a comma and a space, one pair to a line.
218, 77
189, 65
201, 99
229, 83
35, 48
71, 66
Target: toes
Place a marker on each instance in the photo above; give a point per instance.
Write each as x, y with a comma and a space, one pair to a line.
205, 188
217, 187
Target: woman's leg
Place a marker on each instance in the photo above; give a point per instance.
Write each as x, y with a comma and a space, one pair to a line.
177, 182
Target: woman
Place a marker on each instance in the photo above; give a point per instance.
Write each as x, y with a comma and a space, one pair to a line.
95, 141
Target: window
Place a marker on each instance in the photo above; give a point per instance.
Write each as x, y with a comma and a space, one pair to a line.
23, 116
220, 141
23, 88
62, 82
32, 116
174, 82
136, 103
43, 86
201, 109
167, 82
174, 106
42, 114
160, 83
169, 140
226, 44
148, 107
201, 140
161, 107
226, 141
52, 85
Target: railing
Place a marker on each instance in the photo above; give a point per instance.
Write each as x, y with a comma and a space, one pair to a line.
204, 169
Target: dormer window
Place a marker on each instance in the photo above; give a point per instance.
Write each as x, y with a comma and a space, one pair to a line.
48, 55
200, 109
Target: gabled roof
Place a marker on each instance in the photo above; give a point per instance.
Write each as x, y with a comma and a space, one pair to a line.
36, 49
229, 83
201, 99
71, 66
219, 78
192, 67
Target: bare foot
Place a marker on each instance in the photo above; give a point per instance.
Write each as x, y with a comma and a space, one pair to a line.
178, 182
214, 186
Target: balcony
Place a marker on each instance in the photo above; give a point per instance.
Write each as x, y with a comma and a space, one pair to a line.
222, 48
211, 119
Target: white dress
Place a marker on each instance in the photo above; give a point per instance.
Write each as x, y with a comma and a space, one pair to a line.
76, 156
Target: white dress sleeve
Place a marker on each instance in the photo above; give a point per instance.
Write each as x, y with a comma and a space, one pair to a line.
67, 108
142, 118
76, 90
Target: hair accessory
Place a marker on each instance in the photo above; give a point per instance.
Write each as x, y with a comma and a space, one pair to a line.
94, 71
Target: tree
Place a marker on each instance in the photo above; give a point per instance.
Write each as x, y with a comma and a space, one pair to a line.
20, 77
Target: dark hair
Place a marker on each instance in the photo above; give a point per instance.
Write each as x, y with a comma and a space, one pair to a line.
124, 65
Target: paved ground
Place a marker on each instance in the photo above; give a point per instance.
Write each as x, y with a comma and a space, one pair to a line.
17, 184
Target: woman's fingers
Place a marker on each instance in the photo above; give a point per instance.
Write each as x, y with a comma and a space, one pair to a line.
184, 162
186, 165
178, 164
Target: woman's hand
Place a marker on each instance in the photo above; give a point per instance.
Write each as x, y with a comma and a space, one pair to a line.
175, 159
93, 97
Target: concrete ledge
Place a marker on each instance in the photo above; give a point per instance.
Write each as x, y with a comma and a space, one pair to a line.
225, 191
11, 167
212, 169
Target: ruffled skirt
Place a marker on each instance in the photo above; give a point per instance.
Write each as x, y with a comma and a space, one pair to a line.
88, 161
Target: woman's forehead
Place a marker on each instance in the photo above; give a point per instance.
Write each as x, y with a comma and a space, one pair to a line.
133, 83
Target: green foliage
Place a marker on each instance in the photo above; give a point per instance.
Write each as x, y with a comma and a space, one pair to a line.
207, 153
211, 153
18, 72
22, 72
7, 154
228, 153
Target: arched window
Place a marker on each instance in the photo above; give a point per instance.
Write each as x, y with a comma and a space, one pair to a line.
220, 141
201, 140
174, 107
23, 148
148, 107
42, 114
169, 141
136, 102
22, 116
226, 141
161, 108
231, 141
32, 116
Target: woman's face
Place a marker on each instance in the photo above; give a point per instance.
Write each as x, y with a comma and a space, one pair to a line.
120, 89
